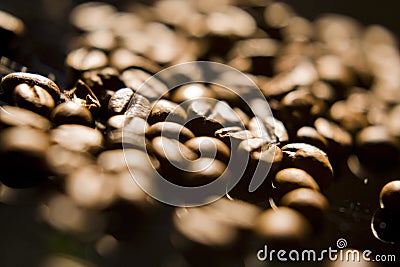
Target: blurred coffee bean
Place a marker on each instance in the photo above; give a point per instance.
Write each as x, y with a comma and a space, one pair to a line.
311, 136
392, 123
375, 146
228, 95
277, 16
124, 59
11, 31
83, 59
199, 118
310, 159
269, 128
389, 197
290, 179
324, 91
189, 92
22, 146
82, 95
63, 161
232, 136
102, 39
283, 228
12, 80
139, 107
107, 78
385, 224
120, 101
144, 83
90, 188
339, 140
346, 117
130, 124
203, 171
309, 202
78, 138
209, 147
71, 113
15, 116
122, 139
170, 130
165, 110
91, 16
298, 29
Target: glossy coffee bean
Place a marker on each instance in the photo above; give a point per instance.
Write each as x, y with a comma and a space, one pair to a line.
130, 124
71, 113
12, 80
33, 98
15, 116
199, 120
311, 203
170, 130
22, 146
191, 91
269, 128
104, 78
311, 136
124, 59
385, 224
310, 159
139, 107
232, 136
124, 139
283, 227
165, 110
203, 171
120, 100
375, 146
209, 147
82, 95
389, 197
78, 138
289, 179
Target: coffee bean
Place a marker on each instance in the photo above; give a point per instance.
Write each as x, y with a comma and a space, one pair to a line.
144, 83
71, 113
350, 120
119, 160
375, 146
389, 197
310, 159
188, 92
84, 59
269, 128
298, 29
232, 136
11, 31
199, 120
102, 39
139, 107
91, 16
385, 224
14, 116
277, 16
165, 110
311, 136
134, 125
12, 80
203, 171
119, 102
209, 147
124, 59
123, 139
311, 203
107, 78
23, 156
283, 227
290, 179
77, 138
82, 95
332, 70
170, 130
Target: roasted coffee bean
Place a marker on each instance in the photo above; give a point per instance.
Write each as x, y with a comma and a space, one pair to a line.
385, 225
311, 136
119, 160
232, 136
310, 159
298, 29
91, 16
124, 59
324, 91
82, 95
188, 92
102, 39
339, 140
23, 156
309, 202
165, 110
14, 116
84, 59
229, 96
390, 196
350, 120
144, 83
130, 124
283, 227
209, 147
225, 115
11, 31
12, 80
203, 171
123, 139
392, 123
170, 130
77, 138
120, 101
107, 78
332, 70
199, 120
375, 146
71, 113
289, 179
269, 128
277, 16
139, 107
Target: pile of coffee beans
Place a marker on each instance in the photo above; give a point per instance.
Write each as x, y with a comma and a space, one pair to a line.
68, 148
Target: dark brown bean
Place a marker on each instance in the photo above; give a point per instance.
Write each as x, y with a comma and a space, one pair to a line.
232, 136
33, 98
203, 171
124, 59
165, 110
311, 136
310, 159
269, 128
170, 130
71, 113
199, 120
209, 147
124, 139
107, 78
82, 95
389, 197
191, 91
